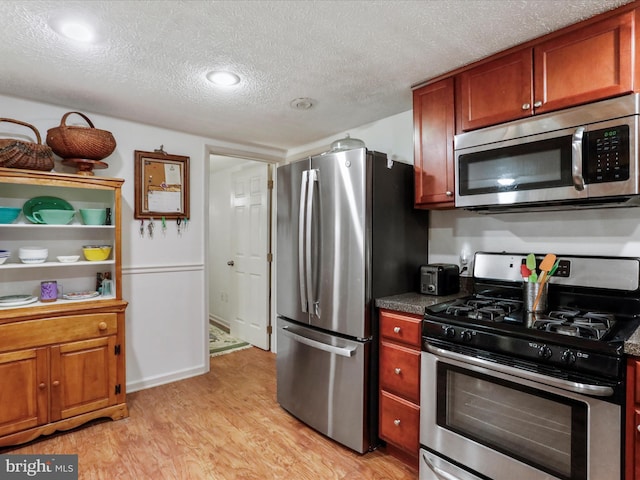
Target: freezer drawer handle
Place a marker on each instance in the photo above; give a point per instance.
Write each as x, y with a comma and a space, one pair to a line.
342, 351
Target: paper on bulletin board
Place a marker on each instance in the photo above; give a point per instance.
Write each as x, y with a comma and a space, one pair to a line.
159, 201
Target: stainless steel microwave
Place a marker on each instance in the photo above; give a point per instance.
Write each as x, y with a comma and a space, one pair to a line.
585, 156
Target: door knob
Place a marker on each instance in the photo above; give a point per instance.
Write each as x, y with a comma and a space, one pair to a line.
231, 263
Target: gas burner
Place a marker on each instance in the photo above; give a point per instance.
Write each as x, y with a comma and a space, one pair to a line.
592, 327
477, 308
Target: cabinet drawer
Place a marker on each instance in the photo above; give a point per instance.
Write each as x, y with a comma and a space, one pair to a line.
400, 371
48, 331
405, 328
399, 422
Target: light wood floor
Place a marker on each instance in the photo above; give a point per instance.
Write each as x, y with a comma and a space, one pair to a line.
222, 425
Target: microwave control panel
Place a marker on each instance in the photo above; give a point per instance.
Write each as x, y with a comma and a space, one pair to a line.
607, 155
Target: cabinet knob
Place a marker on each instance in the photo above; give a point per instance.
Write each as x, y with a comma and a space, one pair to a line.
537, 104
449, 193
638, 428
398, 371
42, 386
396, 329
102, 326
396, 422
56, 383
526, 106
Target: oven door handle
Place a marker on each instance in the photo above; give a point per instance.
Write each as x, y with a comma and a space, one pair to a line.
581, 388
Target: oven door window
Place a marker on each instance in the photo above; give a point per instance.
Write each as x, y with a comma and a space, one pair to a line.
529, 166
546, 431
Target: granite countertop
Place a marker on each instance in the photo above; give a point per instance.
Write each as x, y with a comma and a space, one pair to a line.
416, 303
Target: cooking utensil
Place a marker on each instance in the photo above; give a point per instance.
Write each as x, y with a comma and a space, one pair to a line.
545, 266
554, 268
533, 278
525, 272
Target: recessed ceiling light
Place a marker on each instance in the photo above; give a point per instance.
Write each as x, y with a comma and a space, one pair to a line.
224, 79
74, 30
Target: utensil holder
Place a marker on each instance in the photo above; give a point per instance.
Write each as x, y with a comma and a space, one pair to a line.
529, 294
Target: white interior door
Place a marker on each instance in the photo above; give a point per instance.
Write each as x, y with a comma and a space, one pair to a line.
249, 255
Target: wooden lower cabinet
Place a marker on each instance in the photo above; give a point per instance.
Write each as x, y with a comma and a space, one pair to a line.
399, 362
632, 423
61, 371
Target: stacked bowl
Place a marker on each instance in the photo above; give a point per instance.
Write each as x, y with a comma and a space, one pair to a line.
9, 214
4, 254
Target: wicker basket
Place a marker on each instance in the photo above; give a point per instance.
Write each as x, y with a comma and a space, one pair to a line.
20, 154
80, 142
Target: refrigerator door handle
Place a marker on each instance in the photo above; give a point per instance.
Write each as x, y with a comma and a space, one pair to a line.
304, 303
309, 264
342, 351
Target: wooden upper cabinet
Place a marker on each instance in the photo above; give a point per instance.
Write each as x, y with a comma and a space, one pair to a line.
584, 65
589, 64
497, 91
434, 127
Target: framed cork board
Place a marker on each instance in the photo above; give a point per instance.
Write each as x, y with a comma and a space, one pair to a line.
161, 185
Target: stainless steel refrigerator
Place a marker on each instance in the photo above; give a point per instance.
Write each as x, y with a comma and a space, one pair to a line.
347, 233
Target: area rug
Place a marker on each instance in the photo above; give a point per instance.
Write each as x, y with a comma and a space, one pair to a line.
221, 343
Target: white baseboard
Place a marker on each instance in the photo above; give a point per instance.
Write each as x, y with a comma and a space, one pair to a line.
150, 382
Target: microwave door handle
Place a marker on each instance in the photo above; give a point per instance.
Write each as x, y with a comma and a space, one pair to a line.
576, 159
302, 234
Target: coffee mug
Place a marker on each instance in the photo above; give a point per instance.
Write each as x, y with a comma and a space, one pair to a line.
53, 217
93, 216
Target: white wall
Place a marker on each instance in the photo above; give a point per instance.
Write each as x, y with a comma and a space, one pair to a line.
392, 135
164, 278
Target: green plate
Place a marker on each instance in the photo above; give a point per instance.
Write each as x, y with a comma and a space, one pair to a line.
43, 203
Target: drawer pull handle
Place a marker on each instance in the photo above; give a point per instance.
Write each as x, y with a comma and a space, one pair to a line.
398, 371
396, 329
102, 326
42, 386
638, 428
396, 422
56, 383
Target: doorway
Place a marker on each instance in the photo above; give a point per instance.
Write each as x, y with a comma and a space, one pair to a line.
239, 265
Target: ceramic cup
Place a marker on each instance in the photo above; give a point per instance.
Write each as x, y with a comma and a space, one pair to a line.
48, 291
54, 217
107, 288
93, 216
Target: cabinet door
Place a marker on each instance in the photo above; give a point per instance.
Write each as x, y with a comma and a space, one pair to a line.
434, 127
496, 91
83, 376
590, 64
25, 390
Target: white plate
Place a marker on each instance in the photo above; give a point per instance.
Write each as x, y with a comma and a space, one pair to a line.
79, 295
16, 300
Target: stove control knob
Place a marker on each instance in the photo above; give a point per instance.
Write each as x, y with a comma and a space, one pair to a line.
449, 332
466, 336
544, 352
568, 356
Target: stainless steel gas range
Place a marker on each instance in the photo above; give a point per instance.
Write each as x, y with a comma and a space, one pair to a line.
507, 394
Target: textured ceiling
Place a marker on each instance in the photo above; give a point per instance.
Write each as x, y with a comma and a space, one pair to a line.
356, 59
